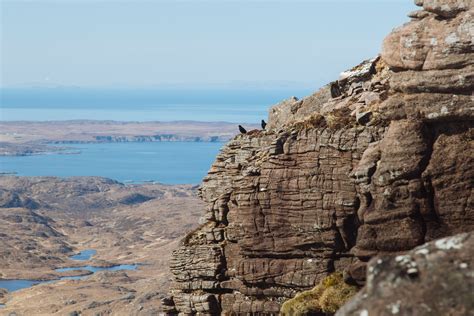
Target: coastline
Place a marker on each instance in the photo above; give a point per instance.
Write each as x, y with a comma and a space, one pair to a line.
36, 137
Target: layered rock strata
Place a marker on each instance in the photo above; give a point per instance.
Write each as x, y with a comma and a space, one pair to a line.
377, 162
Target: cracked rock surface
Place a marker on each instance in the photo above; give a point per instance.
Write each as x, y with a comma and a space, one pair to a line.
433, 279
377, 162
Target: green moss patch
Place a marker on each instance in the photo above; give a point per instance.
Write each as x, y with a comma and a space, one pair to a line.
326, 298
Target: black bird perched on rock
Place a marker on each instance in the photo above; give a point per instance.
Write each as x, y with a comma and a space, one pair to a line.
264, 124
242, 130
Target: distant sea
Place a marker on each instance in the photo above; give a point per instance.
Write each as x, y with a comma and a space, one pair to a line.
164, 162
170, 163
230, 105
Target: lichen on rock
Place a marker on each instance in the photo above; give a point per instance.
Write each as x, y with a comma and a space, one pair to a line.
433, 279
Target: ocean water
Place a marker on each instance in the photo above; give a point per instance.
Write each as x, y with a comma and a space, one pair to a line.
171, 163
164, 162
237, 105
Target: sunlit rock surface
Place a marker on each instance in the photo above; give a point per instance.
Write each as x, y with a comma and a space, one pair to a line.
377, 162
433, 279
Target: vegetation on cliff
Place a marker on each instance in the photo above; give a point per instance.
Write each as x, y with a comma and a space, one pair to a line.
327, 297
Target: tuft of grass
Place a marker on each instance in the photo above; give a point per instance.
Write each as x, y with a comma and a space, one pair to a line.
326, 298
380, 65
337, 119
314, 121
340, 118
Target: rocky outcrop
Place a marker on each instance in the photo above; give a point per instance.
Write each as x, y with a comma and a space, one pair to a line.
377, 162
433, 279
3, 293
419, 176
27, 236
80, 194
12, 199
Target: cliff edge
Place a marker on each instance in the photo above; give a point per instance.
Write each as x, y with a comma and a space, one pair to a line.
377, 162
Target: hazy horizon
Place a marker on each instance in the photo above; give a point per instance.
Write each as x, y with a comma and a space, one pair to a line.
142, 104
179, 60
182, 43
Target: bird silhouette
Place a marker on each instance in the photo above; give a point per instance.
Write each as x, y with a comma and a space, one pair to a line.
242, 130
264, 124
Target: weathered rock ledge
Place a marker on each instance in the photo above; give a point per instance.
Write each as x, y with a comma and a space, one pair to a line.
377, 162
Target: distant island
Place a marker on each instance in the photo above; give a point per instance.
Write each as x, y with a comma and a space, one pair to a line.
21, 138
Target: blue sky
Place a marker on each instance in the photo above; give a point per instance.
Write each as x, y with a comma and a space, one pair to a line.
192, 43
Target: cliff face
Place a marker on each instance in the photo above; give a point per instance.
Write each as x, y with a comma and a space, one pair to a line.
377, 162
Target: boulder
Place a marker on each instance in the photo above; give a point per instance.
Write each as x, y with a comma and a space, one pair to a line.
433, 279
